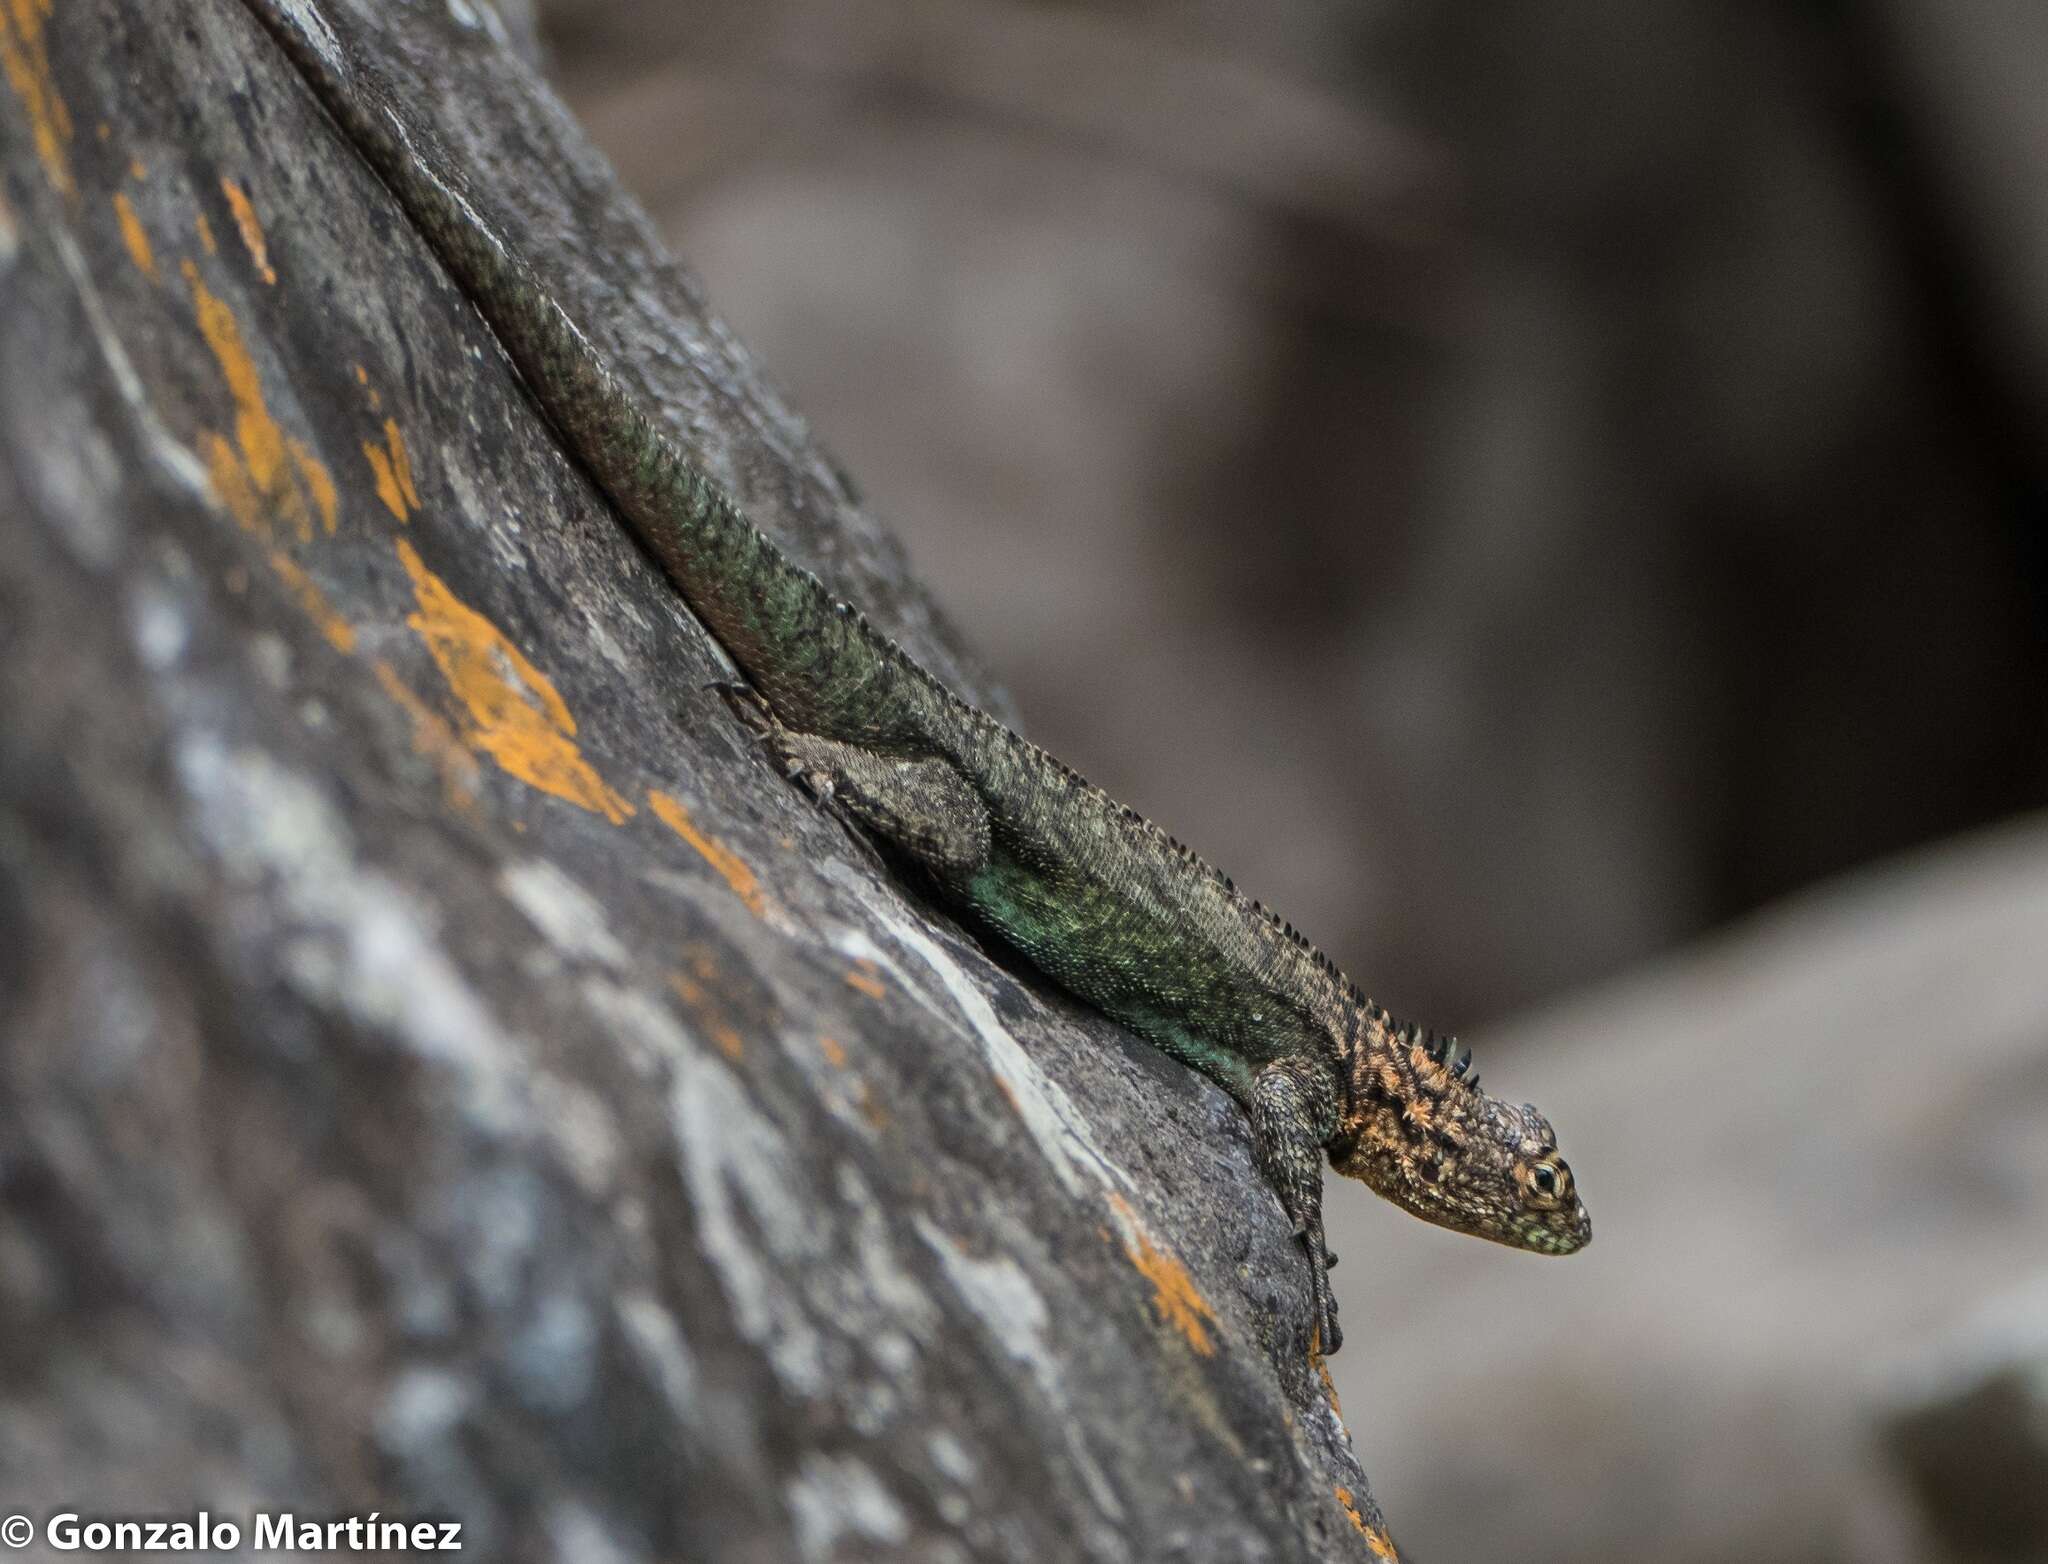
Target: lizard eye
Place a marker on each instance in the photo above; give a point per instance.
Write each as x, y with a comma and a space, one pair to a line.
1546, 1179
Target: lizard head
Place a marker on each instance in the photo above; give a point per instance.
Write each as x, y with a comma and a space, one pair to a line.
1423, 1135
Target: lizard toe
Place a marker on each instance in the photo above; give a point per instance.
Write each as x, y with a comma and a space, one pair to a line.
746, 705
1333, 1334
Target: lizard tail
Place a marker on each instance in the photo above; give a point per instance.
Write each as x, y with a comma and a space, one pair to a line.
811, 656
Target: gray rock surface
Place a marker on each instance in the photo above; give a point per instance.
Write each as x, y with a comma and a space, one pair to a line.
442, 1070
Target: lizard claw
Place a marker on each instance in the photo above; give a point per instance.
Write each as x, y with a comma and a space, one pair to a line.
747, 707
753, 714
1329, 1334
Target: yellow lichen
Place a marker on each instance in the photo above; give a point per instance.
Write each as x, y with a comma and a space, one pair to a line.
1376, 1537
391, 465
134, 236
863, 976
515, 714
433, 739
276, 470
340, 635
1174, 1294
692, 993
25, 57
724, 862
251, 229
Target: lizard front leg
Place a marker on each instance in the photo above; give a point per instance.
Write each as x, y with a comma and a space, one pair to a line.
1288, 1136
919, 804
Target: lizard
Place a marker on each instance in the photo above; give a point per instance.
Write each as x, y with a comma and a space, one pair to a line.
1096, 897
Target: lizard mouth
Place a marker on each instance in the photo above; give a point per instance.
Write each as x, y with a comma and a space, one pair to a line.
1550, 1240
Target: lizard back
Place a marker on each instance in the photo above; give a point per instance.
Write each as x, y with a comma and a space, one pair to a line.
1102, 900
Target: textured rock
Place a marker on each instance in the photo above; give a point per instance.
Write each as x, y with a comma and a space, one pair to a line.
442, 1070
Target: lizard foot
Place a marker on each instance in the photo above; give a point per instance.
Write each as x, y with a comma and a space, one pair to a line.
747, 707
921, 805
753, 714
1329, 1335
1286, 1106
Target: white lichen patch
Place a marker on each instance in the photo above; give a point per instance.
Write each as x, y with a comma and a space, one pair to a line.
493, 1218
1062, 1131
158, 626
332, 1326
952, 1459
572, 920
272, 658
581, 1129
886, 1309
756, 1217
552, 1358
655, 1042
578, 1535
657, 1340
76, 479
308, 20
956, 1465
423, 1411
607, 646
999, 1294
837, 1496
355, 941
87, 457
496, 520
127, 1034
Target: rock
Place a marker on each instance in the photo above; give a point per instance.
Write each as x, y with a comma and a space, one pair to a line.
1806, 1147
1968, 1422
443, 1071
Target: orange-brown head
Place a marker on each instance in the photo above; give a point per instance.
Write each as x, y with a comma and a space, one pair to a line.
1423, 1135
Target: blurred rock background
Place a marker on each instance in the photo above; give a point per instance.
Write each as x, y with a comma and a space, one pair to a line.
1521, 488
